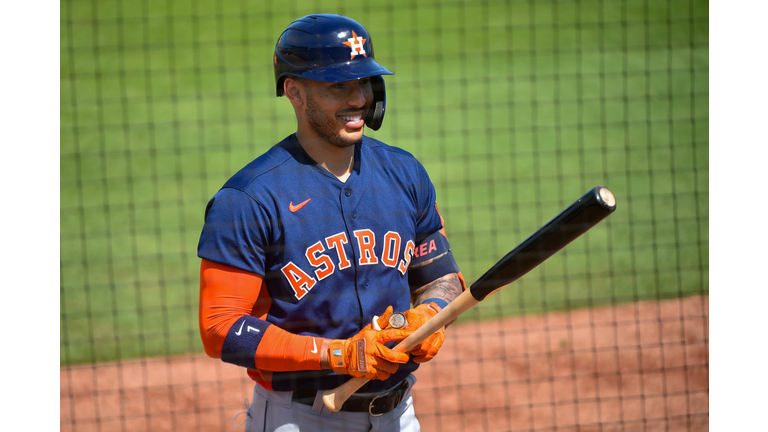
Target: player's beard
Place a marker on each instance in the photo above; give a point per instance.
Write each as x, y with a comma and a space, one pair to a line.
326, 127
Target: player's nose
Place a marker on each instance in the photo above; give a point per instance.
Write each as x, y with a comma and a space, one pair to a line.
357, 96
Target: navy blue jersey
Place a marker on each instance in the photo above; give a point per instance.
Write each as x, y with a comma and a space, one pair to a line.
333, 254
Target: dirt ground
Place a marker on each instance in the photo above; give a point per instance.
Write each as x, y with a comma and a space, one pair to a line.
633, 367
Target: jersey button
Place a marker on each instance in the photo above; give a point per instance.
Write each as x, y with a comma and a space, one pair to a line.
354, 215
348, 192
366, 282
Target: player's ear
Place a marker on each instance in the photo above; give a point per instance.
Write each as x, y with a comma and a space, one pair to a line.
293, 91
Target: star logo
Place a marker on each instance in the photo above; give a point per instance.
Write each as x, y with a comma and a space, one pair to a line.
356, 43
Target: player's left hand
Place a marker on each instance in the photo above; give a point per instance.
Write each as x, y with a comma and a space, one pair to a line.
429, 347
365, 355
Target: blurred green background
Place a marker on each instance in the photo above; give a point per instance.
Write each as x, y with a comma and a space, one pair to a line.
515, 108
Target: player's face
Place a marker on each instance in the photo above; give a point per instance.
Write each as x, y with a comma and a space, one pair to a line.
336, 111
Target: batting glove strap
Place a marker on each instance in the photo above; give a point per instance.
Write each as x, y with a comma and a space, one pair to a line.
336, 356
440, 303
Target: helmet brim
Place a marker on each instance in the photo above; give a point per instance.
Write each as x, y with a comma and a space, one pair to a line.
341, 72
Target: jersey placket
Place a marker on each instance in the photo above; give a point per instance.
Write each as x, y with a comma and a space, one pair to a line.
352, 199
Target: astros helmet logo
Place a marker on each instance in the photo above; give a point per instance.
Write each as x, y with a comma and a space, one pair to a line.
356, 43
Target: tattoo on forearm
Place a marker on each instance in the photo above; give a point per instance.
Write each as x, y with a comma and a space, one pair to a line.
447, 288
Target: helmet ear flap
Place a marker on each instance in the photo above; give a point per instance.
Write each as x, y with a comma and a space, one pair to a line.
375, 116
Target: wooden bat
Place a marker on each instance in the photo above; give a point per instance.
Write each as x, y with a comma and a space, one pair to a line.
575, 220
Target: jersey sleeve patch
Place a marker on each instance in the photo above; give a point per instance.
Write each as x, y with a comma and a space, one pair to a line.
242, 341
432, 259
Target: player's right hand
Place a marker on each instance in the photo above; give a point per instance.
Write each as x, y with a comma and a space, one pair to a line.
428, 348
365, 356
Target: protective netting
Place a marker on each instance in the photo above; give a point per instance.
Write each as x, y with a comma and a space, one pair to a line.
516, 108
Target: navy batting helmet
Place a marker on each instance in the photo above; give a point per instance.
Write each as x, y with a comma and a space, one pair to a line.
331, 48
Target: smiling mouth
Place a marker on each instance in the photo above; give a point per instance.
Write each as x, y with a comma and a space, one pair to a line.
351, 118
353, 121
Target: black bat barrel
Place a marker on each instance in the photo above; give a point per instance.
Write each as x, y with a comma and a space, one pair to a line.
572, 222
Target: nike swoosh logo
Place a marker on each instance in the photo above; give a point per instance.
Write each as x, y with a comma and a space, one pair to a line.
314, 346
241, 328
297, 207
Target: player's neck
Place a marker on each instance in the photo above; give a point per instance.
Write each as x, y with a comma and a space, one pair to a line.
339, 161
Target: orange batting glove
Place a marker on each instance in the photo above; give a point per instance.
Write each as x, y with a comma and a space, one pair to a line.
364, 355
416, 317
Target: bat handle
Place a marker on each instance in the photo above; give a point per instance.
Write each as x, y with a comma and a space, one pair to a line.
335, 398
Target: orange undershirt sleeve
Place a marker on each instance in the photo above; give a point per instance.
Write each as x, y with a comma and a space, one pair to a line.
228, 294
280, 350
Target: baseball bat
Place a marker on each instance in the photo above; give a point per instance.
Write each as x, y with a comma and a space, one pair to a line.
575, 220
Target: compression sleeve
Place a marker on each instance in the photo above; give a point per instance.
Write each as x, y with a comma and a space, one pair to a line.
432, 259
233, 326
226, 295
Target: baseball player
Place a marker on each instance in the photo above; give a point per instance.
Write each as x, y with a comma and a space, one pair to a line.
310, 249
